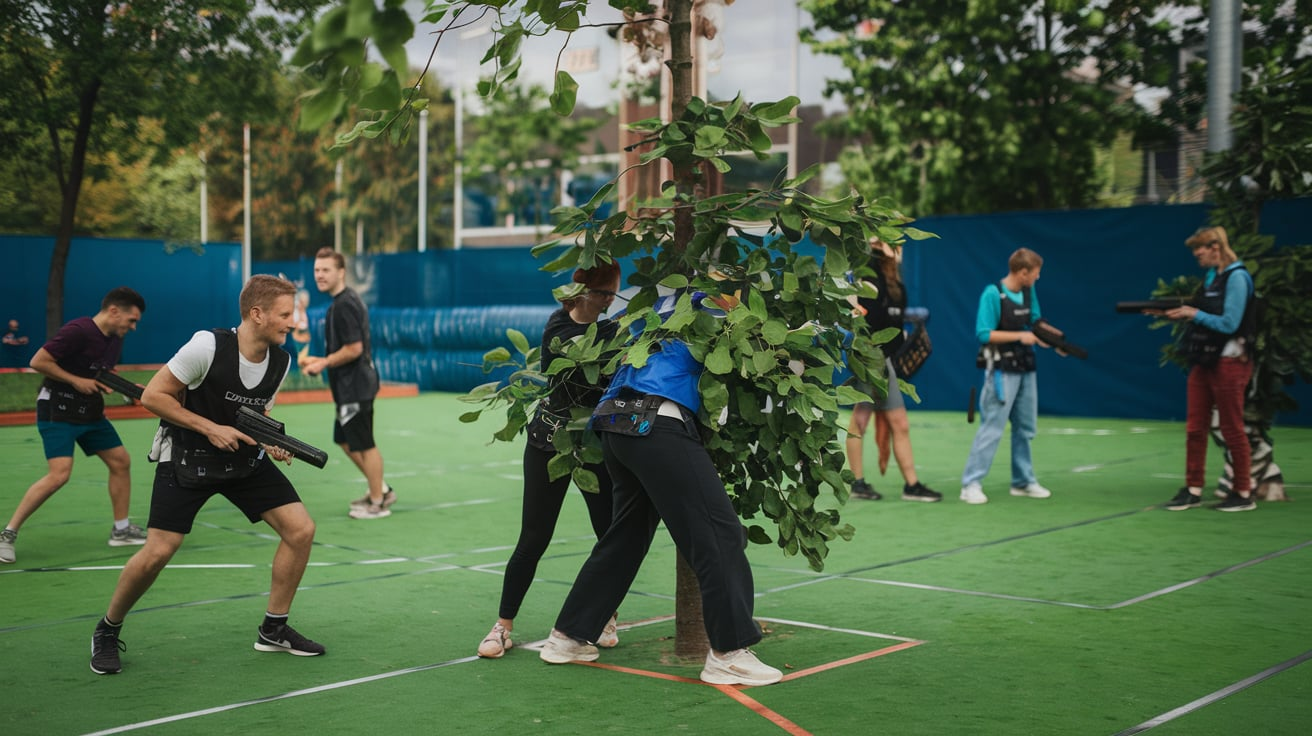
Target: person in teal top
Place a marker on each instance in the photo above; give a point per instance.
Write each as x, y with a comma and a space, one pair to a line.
1007, 311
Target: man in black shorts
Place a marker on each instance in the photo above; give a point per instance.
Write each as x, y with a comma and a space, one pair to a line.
353, 379
201, 454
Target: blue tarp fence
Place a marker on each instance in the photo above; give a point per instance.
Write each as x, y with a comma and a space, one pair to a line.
435, 313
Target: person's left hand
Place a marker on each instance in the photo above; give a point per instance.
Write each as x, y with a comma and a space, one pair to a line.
278, 453
1181, 313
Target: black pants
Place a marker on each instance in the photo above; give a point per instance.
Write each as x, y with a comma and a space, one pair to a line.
667, 476
543, 499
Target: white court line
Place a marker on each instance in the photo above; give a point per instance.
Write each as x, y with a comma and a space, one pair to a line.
1210, 698
423, 668
283, 696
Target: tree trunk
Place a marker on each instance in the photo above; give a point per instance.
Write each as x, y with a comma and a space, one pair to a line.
69, 191
690, 640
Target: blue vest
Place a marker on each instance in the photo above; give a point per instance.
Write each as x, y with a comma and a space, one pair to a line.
672, 373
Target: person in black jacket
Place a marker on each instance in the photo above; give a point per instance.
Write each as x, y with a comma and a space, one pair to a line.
890, 410
201, 454
544, 497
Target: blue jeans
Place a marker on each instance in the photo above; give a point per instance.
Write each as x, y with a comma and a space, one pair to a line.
1020, 404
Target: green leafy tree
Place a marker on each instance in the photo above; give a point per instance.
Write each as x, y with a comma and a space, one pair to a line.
524, 144
770, 361
988, 105
78, 73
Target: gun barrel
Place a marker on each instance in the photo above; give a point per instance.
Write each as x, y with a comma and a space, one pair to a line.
120, 384
1135, 307
270, 432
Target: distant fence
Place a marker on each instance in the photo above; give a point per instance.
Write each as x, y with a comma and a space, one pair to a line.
435, 313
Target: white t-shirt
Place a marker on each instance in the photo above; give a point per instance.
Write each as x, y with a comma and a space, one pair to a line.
191, 364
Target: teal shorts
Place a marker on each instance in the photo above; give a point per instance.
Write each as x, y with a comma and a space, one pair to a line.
59, 437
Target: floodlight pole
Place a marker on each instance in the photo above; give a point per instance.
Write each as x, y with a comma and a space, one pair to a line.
1225, 45
423, 180
246, 203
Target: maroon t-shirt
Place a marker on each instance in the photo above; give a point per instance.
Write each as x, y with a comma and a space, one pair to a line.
82, 349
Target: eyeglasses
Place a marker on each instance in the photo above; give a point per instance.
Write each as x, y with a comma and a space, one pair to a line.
607, 292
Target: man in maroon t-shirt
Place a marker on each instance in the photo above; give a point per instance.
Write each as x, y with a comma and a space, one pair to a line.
70, 409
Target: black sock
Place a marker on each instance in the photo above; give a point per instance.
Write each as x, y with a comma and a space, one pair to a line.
273, 621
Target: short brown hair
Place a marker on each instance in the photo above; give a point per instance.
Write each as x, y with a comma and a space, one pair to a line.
262, 291
600, 276
326, 252
123, 298
1023, 259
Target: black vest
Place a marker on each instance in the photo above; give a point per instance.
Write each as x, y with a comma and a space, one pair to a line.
1016, 357
1203, 346
884, 312
217, 398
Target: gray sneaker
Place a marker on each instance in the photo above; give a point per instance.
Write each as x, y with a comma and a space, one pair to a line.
127, 536
7, 538
389, 498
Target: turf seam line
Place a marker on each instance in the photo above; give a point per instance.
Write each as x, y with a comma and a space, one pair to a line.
1207, 577
1217, 695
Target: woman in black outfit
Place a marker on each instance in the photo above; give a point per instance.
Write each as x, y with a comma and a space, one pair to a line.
543, 497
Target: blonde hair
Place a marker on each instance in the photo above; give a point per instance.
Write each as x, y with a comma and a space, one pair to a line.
262, 291
1206, 237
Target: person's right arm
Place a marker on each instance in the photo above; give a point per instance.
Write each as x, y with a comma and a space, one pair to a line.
44, 363
163, 396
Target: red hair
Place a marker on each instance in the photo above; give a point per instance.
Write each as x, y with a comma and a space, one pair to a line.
600, 276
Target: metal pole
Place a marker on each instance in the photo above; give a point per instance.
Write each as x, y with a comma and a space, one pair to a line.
204, 201
458, 216
246, 203
1224, 62
337, 208
423, 180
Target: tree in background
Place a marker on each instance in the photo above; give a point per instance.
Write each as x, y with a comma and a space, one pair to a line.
77, 73
525, 146
968, 106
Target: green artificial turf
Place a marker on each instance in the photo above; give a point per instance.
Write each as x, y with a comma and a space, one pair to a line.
1088, 613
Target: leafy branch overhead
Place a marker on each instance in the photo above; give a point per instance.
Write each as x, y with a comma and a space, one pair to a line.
766, 316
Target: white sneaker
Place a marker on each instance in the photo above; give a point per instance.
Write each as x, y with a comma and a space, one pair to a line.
561, 649
495, 643
610, 636
1033, 490
739, 667
973, 493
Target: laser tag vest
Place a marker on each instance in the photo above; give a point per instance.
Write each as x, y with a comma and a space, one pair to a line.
1202, 345
884, 312
1015, 357
196, 461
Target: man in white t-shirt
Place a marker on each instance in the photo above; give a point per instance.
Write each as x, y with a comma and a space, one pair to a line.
200, 454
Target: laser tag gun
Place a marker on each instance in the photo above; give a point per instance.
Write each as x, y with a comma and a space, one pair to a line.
1048, 334
120, 384
1170, 302
271, 432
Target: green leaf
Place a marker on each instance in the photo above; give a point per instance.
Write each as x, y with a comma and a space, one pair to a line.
586, 480
470, 417
320, 108
775, 332
565, 94
518, 340
719, 360
758, 535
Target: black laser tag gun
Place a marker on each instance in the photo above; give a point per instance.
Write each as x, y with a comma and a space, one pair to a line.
1162, 304
271, 432
1049, 335
120, 384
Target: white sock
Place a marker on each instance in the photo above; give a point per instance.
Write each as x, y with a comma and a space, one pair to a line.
121, 524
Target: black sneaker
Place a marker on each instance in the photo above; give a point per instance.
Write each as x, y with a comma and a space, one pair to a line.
862, 489
919, 492
1236, 502
1184, 500
286, 639
105, 646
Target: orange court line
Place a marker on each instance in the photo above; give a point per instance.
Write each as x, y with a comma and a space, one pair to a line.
737, 692
851, 660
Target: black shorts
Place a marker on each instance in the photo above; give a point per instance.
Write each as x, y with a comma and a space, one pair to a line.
174, 508
355, 426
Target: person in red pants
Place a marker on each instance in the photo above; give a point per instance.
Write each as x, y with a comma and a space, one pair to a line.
1218, 341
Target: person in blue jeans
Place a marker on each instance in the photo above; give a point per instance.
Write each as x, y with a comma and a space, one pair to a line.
1007, 311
